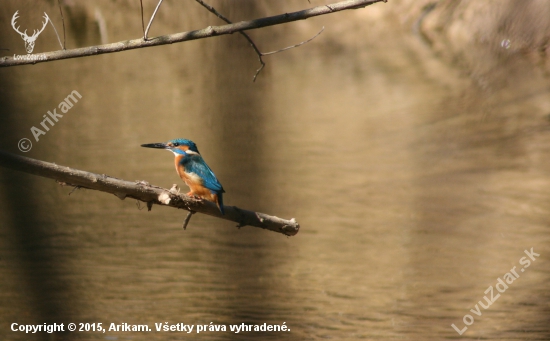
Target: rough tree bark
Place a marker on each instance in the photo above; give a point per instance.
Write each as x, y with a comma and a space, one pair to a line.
210, 31
142, 191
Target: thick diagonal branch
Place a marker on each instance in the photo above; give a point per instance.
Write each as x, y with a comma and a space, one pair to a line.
145, 192
210, 31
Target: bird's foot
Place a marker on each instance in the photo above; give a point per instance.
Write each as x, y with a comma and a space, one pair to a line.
196, 197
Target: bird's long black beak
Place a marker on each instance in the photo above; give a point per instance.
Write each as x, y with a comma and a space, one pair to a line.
155, 145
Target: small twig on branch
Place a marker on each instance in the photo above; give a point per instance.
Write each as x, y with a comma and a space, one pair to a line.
150, 21
293, 46
244, 34
74, 189
138, 204
102, 26
63, 21
187, 218
208, 32
142, 23
256, 49
57, 34
142, 191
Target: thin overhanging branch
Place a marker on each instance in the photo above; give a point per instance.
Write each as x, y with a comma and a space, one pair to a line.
244, 34
210, 31
142, 191
252, 43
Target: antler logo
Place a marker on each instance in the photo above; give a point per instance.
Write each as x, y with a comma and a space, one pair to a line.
29, 41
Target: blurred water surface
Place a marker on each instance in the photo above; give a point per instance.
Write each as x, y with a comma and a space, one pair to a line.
416, 184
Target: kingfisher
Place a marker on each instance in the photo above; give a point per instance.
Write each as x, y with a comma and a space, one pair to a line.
193, 170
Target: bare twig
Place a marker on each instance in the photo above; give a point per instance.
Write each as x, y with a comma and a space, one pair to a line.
187, 218
244, 34
58, 39
142, 23
256, 49
210, 31
138, 204
145, 192
281, 50
102, 25
74, 189
151, 21
293, 46
63, 21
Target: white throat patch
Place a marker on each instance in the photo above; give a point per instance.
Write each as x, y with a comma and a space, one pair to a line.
190, 152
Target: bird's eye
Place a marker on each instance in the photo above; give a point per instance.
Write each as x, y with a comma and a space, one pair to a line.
176, 144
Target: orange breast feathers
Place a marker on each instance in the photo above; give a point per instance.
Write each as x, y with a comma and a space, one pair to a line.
194, 182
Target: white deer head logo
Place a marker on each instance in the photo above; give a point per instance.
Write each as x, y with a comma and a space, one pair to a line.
29, 41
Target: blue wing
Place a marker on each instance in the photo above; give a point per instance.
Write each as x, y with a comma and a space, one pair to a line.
195, 164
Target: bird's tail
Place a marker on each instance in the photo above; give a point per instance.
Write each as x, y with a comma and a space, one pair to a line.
220, 203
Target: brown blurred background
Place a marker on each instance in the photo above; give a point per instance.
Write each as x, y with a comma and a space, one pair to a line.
410, 140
